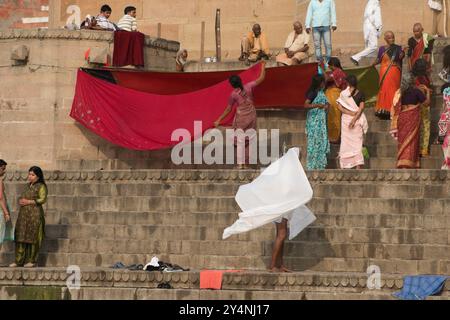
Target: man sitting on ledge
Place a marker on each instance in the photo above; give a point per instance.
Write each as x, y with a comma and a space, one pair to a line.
296, 48
102, 19
128, 21
254, 46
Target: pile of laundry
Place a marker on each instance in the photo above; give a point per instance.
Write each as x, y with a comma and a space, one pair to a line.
153, 265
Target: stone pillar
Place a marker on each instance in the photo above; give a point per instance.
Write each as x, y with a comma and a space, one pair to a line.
54, 14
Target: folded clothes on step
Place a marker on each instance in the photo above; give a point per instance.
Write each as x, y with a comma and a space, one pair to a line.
153, 265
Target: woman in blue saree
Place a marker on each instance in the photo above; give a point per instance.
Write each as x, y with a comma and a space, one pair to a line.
316, 125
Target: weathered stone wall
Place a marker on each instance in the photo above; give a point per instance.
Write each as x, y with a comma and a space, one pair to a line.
26, 14
35, 99
181, 20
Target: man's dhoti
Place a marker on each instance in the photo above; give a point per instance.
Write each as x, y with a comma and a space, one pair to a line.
299, 56
254, 52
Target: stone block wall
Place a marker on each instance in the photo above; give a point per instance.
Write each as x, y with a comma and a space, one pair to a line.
36, 97
24, 14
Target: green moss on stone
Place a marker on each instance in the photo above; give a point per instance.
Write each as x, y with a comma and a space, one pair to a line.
37, 293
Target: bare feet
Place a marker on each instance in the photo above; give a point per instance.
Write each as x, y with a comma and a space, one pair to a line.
13, 265
29, 265
274, 270
284, 269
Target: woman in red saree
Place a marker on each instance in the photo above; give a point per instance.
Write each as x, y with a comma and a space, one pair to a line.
245, 118
390, 57
405, 124
335, 84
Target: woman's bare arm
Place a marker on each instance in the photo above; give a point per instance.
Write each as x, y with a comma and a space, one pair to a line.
3, 205
362, 105
345, 111
224, 114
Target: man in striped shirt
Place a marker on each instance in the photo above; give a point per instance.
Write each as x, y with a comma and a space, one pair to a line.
128, 21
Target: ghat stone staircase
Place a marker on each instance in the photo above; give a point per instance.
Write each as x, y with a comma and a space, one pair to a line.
291, 125
396, 220
99, 212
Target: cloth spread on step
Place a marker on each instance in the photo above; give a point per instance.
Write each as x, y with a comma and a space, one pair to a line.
420, 287
281, 191
212, 279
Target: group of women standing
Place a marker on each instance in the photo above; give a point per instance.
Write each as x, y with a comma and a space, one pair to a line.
29, 229
336, 111
335, 115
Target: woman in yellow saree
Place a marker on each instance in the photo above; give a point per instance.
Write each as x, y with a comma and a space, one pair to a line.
335, 84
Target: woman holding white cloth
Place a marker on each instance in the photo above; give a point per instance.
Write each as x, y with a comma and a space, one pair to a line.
354, 125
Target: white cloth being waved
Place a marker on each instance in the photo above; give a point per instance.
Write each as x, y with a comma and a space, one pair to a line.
281, 191
373, 25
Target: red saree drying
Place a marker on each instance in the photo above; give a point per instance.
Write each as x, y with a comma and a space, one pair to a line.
143, 121
140, 110
284, 87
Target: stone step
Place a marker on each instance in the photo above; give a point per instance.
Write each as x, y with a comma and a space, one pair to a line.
391, 176
99, 283
390, 162
384, 163
335, 220
130, 245
358, 261
251, 244
142, 189
294, 114
286, 125
227, 204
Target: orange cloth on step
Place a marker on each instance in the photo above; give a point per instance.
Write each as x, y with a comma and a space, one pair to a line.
212, 279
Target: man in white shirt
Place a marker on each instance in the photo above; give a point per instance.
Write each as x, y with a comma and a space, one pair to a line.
373, 26
296, 49
102, 19
128, 21
321, 20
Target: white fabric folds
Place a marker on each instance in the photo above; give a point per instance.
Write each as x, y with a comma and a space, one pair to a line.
281, 191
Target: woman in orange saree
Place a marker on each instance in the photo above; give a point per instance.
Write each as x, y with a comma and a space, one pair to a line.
390, 57
405, 125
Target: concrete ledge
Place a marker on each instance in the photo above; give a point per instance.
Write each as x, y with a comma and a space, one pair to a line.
248, 280
107, 284
63, 34
422, 175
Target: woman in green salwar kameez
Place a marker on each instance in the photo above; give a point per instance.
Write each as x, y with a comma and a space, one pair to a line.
30, 225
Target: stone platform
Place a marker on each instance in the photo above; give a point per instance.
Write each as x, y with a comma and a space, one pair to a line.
109, 284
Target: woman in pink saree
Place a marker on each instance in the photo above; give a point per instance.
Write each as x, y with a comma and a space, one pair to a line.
354, 125
444, 127
245, 118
